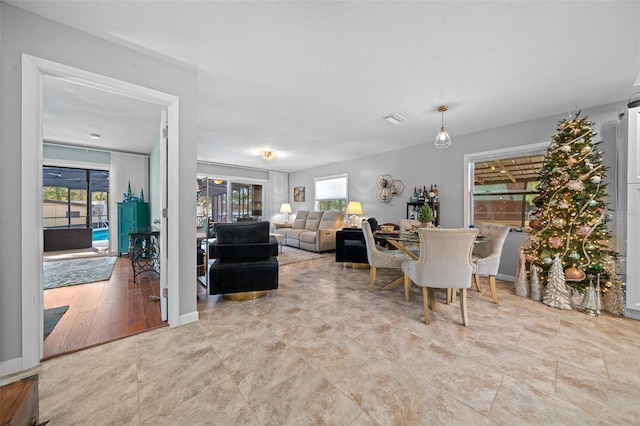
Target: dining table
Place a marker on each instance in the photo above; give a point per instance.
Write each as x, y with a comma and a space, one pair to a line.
401, 240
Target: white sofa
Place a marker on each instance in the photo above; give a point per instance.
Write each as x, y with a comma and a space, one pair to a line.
313, 231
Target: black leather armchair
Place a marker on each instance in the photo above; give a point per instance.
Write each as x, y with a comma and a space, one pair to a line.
350, 246
245, 262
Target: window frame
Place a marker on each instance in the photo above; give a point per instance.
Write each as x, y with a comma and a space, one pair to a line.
471, 158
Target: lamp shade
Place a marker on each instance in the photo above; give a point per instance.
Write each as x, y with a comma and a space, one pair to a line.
354, 207
285, 208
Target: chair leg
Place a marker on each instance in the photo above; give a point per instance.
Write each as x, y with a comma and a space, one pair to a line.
372, 277
407, 287
425, 304
476, 278
463, 306
432, 299
452, 293
492, 286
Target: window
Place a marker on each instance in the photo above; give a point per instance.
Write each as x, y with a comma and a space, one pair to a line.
331, 193
242, 203
65, 203
502, 185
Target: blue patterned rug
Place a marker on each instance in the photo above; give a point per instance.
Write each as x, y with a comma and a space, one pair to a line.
61, 273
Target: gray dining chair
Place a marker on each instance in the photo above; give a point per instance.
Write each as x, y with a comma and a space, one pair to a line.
487, 253
445, 262
380, 257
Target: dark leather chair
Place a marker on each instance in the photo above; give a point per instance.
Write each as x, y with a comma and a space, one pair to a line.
245, 262
350, 245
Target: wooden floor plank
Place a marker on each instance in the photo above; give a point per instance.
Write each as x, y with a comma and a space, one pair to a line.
103, 311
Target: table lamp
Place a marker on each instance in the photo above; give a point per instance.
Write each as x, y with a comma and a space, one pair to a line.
354, 208
285, 209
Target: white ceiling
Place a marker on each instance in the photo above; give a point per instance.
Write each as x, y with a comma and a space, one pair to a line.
313, 80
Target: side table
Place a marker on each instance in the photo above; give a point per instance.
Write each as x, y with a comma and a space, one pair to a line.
283, 225
144, 250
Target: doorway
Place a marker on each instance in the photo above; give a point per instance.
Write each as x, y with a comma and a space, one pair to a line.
33, 71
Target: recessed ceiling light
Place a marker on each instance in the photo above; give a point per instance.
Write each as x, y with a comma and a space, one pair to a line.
95, 136
395, 118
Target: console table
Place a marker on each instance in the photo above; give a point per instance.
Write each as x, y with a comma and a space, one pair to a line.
144, 250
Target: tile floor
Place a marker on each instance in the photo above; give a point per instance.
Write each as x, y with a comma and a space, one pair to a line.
323, 350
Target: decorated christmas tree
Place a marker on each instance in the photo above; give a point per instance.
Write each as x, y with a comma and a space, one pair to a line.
570, 219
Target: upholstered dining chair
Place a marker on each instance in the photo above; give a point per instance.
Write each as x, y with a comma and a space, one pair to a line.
486, 255
380, 257
445, 262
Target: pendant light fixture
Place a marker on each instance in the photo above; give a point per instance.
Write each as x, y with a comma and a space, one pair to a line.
443, 140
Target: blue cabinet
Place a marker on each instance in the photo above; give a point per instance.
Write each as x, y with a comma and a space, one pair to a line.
130, 216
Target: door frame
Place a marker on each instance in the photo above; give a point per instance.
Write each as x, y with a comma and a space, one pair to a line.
33, 70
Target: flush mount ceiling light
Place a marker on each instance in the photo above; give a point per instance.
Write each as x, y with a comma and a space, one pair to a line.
95, 136
267, 155
443, 140
395, 118
218, 181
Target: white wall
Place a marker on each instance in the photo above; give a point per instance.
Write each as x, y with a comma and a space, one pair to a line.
423, 164
22, 32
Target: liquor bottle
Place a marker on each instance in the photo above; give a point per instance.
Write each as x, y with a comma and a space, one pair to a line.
431, 194
421, 196
435, 191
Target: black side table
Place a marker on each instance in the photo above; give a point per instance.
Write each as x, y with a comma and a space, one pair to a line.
144, 250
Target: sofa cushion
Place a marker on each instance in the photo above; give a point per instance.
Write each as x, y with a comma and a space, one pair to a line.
313, 220
243, 232
245, 240
301, 219
331, 220
307, 237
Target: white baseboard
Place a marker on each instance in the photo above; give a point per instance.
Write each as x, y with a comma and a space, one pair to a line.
632, 313
188, 318
10, 366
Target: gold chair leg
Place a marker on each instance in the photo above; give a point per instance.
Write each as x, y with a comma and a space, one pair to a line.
463, 306
452, 293
372, 277
425, 304
407, 287
433, 300
476, 278
492, 286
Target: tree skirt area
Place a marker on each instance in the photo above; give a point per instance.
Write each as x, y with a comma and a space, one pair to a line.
61, 273
293, 255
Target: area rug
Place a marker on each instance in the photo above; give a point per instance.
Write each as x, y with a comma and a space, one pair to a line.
293, 255
51, 318
78, 271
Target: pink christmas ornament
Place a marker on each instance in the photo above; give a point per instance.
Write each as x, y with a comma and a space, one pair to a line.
555, 242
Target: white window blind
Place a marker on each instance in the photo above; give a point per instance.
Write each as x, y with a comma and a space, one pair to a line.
334, 188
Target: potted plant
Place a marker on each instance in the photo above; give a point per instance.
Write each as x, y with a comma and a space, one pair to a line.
425, 216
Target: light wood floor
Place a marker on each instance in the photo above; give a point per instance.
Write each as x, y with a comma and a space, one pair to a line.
103, 311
